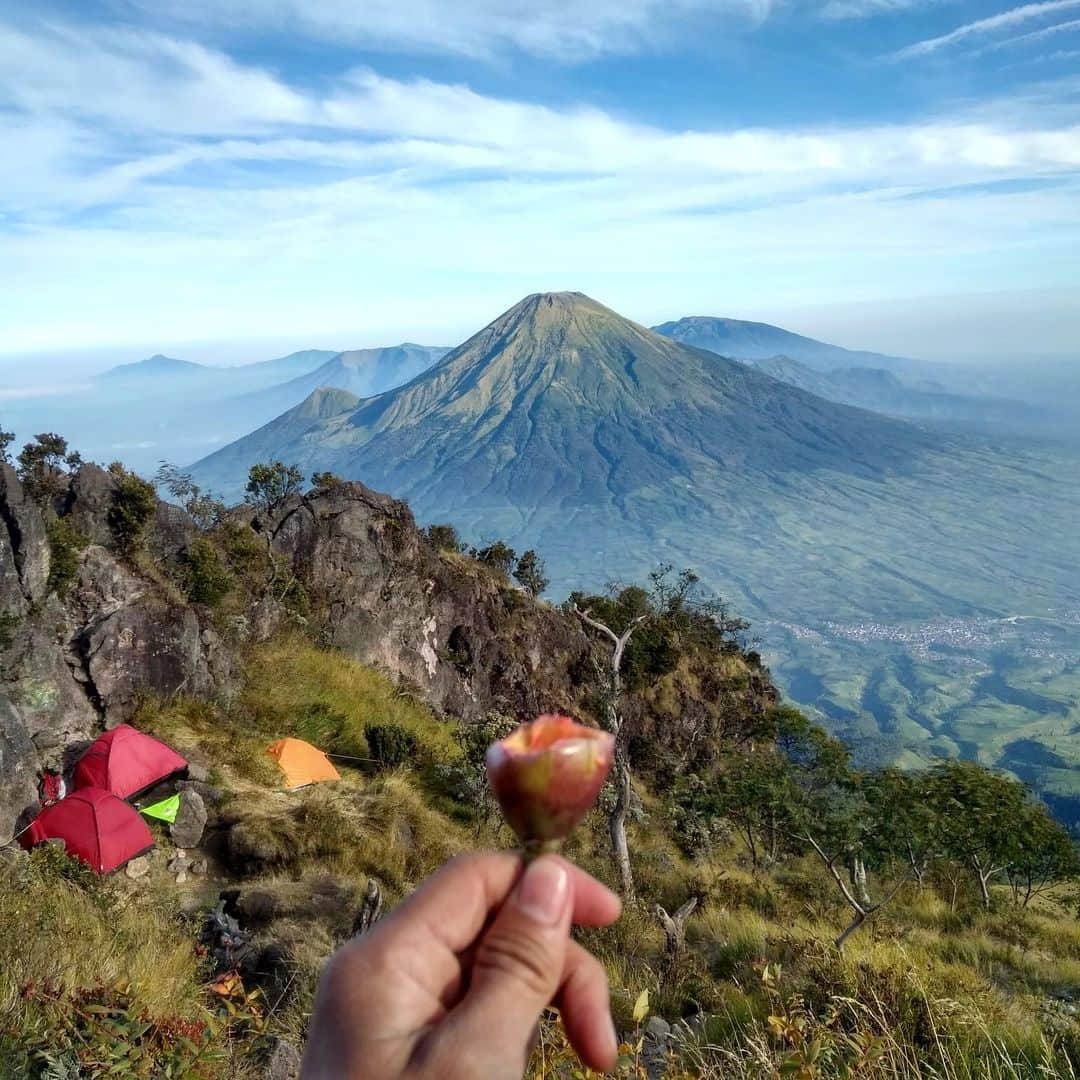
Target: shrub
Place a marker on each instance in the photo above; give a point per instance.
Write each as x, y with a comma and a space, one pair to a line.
133, 506
244, 551
269, 485
443, 537
391, 745
326, 482
43, 466
499, 556
205, 508
65, 544
530, 573
206, 579
469, 777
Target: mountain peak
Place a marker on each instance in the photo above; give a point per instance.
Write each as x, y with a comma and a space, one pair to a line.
326, 401
158, 364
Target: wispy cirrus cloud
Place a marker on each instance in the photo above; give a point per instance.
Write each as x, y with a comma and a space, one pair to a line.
1035, 35
565, 30
864, 9
981, 27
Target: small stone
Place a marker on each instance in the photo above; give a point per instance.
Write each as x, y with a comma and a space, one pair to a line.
282, 1062
178, 864
657, 1027
187, 829
197, 867
138, 868
198, 772
181, 877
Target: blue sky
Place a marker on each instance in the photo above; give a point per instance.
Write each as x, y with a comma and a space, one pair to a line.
264, 174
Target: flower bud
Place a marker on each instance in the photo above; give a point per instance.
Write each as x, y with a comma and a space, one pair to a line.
546, 775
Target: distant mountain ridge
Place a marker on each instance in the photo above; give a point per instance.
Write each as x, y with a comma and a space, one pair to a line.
881, 391
156, 365
743, 340
363, 372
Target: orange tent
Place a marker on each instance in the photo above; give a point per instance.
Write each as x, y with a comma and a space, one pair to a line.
301, 762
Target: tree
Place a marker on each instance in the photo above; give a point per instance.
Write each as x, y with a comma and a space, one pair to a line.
206, 509
621, 768
530, 573
978, 816
270, 484
443, 537
133, 506
44, 464
1044, 854
326, 481
6, 439
905, 825
499, 556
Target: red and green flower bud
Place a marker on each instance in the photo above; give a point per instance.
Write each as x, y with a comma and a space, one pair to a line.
546, 775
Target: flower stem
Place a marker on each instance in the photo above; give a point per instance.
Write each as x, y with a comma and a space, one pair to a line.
534, 848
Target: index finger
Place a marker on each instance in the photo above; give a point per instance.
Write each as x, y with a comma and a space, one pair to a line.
453, 906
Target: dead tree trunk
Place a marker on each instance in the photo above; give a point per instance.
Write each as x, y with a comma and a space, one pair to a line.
917, 864
861, 906
620, 848
858, 881
985, 875
674, 932
370, 909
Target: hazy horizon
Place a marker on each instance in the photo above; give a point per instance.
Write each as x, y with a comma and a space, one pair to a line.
917, 327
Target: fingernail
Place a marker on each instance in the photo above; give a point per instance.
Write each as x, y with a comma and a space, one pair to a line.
543, 891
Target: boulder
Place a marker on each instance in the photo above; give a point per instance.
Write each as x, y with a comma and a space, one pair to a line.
88, 502
187, 830
19, 766
48, 683
281, 1061
25, 541
138, 868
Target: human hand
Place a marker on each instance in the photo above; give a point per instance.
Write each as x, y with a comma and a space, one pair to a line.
452, 983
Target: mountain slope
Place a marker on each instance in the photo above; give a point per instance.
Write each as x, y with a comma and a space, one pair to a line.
884, 565
363, 372
565, 425
881, 391
759, 341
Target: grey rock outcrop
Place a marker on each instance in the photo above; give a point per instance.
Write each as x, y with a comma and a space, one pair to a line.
187, 830
23, 545
73, 665
18, 769
282, 1061
468, 641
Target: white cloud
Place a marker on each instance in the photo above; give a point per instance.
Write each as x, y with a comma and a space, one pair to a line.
1004, 20
142, 81
1035, 35
193, 191
568, 30
862, 9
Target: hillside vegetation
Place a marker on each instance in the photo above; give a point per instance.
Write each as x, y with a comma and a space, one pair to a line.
788, 913
935, 986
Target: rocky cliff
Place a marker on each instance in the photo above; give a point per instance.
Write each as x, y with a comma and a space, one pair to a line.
76, 659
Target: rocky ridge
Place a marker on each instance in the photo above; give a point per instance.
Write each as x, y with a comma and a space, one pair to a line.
459, 636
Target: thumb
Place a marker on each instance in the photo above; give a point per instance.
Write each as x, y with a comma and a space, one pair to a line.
518, 964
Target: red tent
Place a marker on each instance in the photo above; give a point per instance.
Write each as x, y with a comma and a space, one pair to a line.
126, 762
95, 826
